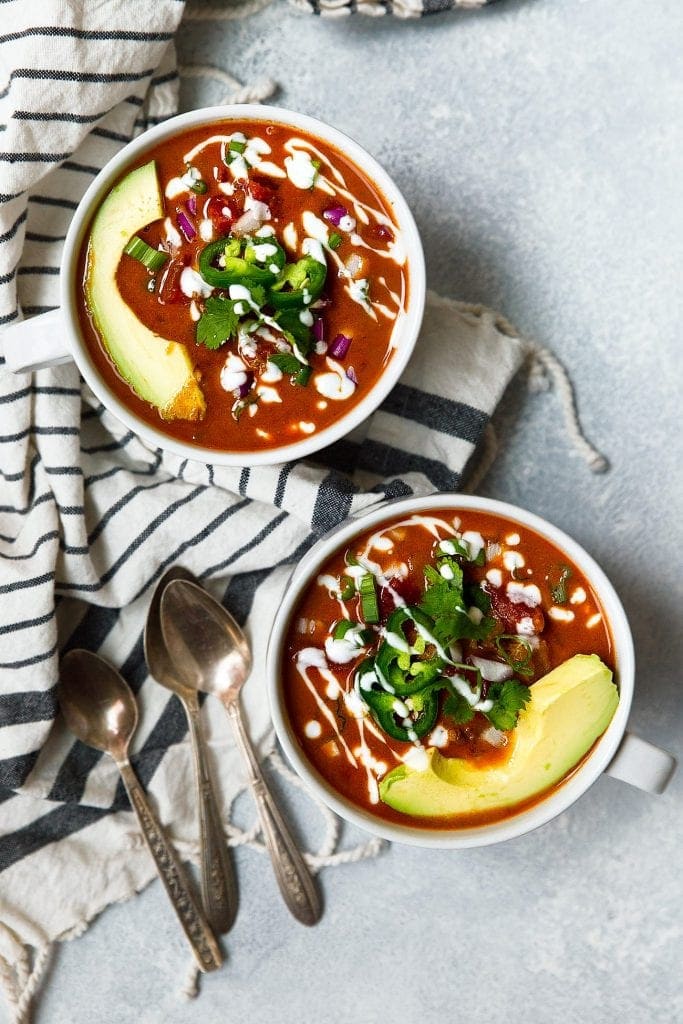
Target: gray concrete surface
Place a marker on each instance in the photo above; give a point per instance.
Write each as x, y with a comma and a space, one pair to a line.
539, 144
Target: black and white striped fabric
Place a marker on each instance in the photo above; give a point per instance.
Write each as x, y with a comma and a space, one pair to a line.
90, 517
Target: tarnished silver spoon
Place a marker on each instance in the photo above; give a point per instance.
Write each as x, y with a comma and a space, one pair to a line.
100, 708
212, 653
219, 887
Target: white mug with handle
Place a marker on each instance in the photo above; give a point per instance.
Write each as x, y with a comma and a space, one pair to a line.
617, 752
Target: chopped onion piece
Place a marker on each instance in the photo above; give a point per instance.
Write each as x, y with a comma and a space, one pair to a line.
191, 205
319, 329
492, 671
245, 388
186, 226
248, 222
495, 737
335, 214
339, 347
354, 264
351, 374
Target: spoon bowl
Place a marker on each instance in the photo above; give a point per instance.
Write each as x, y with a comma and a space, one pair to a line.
209, 648
97, 704
203, 637
219, 884
159, 662
100, 708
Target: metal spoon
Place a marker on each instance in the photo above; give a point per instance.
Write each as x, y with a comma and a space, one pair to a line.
213, 654
219, 887
99, 707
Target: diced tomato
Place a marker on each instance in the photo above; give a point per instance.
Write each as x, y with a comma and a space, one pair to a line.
383, 233
509, 613
216, 210
264, 193
169, 292
405, 588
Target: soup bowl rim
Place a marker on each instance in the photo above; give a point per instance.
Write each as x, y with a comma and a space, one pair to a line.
408, 325
561, 796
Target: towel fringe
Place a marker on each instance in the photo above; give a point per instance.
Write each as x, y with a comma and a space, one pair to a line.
256, 93
208, 12
546, 369
19, 982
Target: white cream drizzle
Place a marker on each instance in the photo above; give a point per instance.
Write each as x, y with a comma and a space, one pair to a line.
334, 384
192, 283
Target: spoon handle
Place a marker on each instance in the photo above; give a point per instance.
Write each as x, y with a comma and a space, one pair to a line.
199, 935
219, 887
293, 877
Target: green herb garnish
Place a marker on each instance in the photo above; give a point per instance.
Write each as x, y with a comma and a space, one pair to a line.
217, 323
508, 700
368, 598
522, 665
335, 240
200, 187
151, 258
286, 362
558, 590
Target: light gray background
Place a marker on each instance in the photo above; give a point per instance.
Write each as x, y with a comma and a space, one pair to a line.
539, 145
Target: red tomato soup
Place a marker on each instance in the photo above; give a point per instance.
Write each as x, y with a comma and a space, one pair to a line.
430, 633
266, 282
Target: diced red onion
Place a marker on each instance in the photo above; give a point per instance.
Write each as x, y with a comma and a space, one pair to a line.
492, 671
186, 226
339, 347
354, 264
191, 205
335, 214
351, 374
248, 222
245, 388
319, 329
495, 737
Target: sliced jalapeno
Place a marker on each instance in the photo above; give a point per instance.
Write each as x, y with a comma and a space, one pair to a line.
239, 262
389, 710
299, 284
406, 671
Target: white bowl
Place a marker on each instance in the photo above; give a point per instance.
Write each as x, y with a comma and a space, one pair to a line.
36, 335
524, 821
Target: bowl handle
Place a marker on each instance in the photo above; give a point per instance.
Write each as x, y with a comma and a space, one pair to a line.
34, 343
642, 764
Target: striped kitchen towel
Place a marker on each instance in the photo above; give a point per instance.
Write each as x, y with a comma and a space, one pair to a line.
90, 516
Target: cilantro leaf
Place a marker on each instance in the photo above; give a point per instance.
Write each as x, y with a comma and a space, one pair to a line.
508, 700
458, 625
286, 362
457, 709
217, 323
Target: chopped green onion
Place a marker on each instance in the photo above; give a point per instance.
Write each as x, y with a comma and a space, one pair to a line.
237, 147
559, 590
524, 665
368, 598
350, 558
335, 240
348, 588
151, 258
200, 187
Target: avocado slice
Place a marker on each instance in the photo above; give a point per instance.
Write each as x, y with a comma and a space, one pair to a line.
158, 370
569, 708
